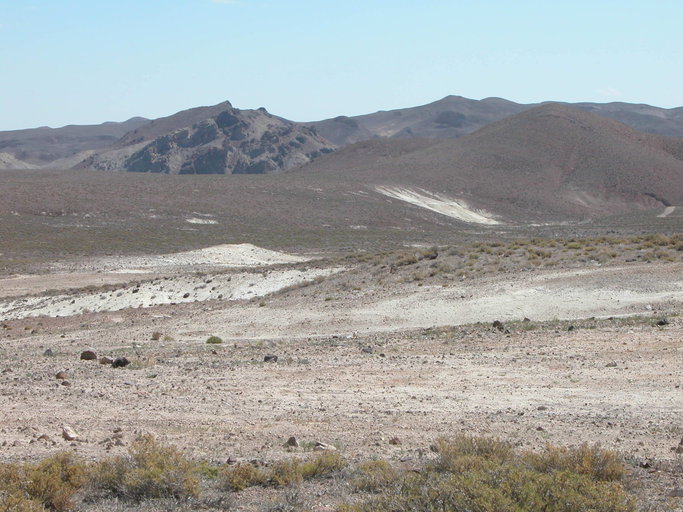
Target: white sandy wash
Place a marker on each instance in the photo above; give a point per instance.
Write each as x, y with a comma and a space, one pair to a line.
448, 206
226, 255
166, 290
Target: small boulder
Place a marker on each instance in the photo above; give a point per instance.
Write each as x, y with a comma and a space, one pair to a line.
612, 364
293, 442
120, 362
62, 375
270, 359
663, 321
324, 447
88, 355
69, 433
49, 353
497, 324
106, 360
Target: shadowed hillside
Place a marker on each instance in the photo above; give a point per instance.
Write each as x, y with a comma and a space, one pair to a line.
551, 162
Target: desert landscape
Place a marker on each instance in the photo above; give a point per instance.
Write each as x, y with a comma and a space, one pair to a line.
463, 305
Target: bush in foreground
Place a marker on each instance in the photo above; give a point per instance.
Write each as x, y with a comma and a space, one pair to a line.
475, 474
149, 471
51, 484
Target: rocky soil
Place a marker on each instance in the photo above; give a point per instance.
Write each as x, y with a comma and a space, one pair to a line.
377, 370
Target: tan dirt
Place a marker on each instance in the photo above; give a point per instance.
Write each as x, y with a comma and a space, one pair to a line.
360, 366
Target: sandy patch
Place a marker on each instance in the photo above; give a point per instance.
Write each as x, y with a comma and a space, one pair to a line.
197, 220
167, 290
219, 256
450, 207
667, 211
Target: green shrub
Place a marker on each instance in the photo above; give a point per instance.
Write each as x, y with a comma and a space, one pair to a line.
214, 340
149, 471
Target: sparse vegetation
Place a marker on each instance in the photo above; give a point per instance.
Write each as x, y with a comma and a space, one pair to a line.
482, 474
149, 471
214, 340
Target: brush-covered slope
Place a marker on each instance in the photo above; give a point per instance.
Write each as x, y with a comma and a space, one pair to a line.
548, 163
213, 140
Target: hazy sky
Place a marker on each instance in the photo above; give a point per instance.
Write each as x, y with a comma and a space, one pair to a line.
89, 61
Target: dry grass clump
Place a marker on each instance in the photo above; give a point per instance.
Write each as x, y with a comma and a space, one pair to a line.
474, 474
51, 484
149, 471
284, 473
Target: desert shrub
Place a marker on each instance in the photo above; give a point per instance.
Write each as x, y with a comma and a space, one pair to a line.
592, 461
486, 475
51, 484
466, 450
285, 473
375, 476
214, 340
241, 476
325, 464
149, 471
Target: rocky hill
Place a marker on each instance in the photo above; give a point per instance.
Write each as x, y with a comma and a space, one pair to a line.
213, 140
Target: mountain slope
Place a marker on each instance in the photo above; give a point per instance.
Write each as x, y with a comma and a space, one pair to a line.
550, 162
40, 146
455, 116
216, 140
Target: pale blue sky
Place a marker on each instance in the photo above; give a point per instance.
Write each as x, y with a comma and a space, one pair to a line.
89, 61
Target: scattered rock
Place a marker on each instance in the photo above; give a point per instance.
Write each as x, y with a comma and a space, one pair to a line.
368, 350
120, 362
49, 353
526, 319
679, 448
540, 429
612, 364
65, 383
186, 295
663, 321
270, 359
62, 375
292, 441
46, 438
497, 324
395, 441
106, 360
570, 328
69, 433
541, 408
324, 447
88, 355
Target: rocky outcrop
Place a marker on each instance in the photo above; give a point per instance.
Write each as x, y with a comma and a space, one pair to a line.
231, 142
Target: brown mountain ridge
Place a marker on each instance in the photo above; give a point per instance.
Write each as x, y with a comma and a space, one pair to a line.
550, 162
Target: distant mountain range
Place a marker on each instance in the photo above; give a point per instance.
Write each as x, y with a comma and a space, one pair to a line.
549, 162
223, 139
489, 161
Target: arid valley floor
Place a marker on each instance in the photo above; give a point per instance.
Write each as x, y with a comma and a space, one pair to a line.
379, 354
